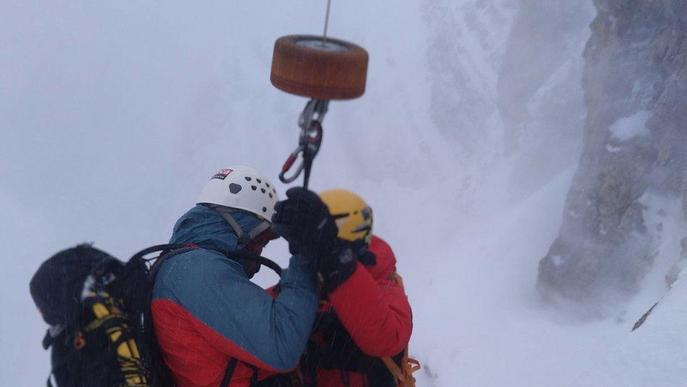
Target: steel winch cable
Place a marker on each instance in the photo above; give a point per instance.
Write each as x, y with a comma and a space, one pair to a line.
310, 122
326, 22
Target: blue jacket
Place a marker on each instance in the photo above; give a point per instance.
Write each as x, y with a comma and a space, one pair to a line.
206, 311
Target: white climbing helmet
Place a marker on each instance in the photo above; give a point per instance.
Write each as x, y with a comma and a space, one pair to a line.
243, 188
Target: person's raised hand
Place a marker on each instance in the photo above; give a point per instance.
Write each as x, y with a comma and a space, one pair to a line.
304, 221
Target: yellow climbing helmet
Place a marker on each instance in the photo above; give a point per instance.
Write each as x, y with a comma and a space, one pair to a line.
352, 215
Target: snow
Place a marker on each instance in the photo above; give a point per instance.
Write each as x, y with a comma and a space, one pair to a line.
613, 149
113, 114
557, 260
627, 128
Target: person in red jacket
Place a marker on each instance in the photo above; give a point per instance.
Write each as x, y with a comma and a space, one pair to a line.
361, 333
217, 328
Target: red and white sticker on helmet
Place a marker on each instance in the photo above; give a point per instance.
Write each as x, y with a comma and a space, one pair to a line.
222, 173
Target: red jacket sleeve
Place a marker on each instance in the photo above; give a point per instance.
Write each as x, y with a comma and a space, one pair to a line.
376, 313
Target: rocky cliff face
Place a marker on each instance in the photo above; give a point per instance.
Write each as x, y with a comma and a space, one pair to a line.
506, 87
635, 138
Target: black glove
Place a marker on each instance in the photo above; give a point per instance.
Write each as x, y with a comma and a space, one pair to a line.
363, 253
336, 268
304, 221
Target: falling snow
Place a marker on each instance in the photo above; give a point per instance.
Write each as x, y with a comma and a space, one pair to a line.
113, 114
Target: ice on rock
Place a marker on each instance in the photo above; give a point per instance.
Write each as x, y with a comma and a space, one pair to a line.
627, 128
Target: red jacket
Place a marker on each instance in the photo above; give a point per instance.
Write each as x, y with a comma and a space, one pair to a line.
206, 312
371, 307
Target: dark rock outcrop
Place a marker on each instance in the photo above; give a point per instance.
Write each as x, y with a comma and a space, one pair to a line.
635, 143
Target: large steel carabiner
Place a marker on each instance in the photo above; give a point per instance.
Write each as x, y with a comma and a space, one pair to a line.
309, 141
288, 164
309, 144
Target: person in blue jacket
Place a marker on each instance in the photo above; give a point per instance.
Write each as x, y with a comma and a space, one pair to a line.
214, 326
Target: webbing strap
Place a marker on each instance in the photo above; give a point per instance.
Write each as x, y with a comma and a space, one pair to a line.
254, 377
170, 250
231, 366
107, 322
404, 374
243, 237
226, 214
153, 249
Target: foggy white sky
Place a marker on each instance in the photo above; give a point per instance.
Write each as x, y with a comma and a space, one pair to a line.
113, 115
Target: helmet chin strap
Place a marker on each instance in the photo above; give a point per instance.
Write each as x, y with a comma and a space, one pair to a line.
243, 237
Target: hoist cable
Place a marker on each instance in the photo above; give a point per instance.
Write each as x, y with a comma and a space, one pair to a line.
326, 22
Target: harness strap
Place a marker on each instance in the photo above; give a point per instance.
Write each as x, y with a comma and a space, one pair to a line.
393, 368
153, 249
231, 366
229, 373
404, 374
254, 377
166, 255
59, 365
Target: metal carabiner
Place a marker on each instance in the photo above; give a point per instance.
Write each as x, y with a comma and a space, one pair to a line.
289, 163
309, 141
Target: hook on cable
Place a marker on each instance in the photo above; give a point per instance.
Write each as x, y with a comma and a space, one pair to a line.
309, 141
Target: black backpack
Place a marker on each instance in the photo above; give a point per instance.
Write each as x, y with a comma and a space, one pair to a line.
98, 309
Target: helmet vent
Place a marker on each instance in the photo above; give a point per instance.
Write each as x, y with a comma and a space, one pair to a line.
248, 178
264, 209
262, 189
258, 180
254, 187
234, 188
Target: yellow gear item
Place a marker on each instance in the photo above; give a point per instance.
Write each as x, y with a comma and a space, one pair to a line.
352, 215
128, 357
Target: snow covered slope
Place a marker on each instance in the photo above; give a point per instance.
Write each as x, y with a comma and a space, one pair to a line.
113, 114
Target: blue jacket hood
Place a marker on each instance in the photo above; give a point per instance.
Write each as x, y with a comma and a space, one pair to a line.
207, 228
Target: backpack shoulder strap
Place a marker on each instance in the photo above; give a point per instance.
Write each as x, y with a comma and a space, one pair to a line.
151, 265
231, 366
164, 248
167, 253
229, 373
250, 256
